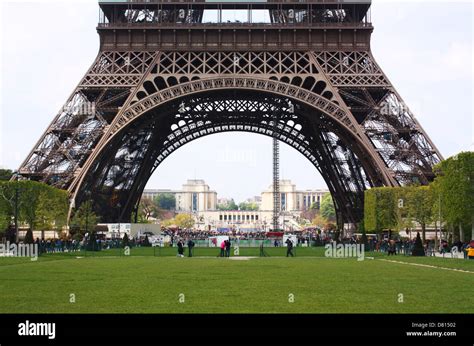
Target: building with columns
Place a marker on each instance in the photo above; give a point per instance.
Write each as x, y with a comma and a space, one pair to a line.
292, 199
195, 196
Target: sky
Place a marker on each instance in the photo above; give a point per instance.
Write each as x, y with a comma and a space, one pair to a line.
424, 47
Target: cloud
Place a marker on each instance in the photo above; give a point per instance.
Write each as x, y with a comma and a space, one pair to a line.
458, 60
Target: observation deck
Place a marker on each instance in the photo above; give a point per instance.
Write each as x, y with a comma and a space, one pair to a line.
235, 25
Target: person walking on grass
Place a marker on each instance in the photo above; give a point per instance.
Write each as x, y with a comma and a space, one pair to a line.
470, 250
227, 248
465, 249
222, 249
190, 247
180, 248
289, 248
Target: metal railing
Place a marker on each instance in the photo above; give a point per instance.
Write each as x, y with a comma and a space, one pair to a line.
352, 2
236, 25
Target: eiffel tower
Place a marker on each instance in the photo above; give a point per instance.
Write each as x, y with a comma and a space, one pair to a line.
171, 71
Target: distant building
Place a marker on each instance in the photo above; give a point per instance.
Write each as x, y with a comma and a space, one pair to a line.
292, 199
195, 196
234, 219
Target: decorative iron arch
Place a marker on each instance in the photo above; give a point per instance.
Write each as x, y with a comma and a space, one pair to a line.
318, 102
313, 133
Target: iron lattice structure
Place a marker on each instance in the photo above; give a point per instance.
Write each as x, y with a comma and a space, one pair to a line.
164, 77
276, 173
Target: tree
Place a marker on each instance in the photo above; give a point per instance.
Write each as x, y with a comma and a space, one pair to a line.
418, 249
247, 206
380, 209
419, 202
165, 201
10, 207
75, 232
29, 237
7, 195
319, 221
184, 221
181, 220
29, 200
454, 187
60, 208
232, 205
229, 206
327, 207
168, 222
5, 174
330, 226
84, 218
92, 242
146, 210
39, 205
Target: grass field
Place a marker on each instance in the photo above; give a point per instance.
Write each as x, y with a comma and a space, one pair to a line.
107, 281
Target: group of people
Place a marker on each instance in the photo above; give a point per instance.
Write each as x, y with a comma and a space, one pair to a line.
225, 248
196, 234
312, 237
58, 245
309, 236
180, 246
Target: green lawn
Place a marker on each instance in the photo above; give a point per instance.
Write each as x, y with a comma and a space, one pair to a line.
198, 251
143, 283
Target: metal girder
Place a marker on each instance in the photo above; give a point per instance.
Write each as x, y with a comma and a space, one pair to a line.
127, 161
139, 102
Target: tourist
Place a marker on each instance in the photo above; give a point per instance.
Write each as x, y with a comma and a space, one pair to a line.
180, 249
289, 247
190, 247
227, 248
465, 249
470, 250
391, 247
222, 249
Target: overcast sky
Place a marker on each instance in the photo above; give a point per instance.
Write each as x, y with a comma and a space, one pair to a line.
424, 47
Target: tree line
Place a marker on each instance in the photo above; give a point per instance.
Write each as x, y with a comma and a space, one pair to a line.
448, 200
32, 204
323, 214
156, 208
232, 206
